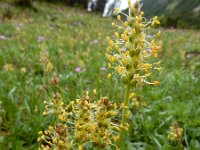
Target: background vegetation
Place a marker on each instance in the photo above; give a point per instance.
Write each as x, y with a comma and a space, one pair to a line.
75, 41
179, 13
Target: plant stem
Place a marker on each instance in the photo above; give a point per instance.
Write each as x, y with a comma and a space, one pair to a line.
124, 118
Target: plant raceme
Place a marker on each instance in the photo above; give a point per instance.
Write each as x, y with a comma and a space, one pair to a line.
95, 123
129, 54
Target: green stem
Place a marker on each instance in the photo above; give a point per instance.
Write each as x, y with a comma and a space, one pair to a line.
124, 118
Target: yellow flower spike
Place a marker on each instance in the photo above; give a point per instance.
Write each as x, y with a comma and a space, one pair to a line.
93, 120
118, 18
49, 67
175, 133
156, 83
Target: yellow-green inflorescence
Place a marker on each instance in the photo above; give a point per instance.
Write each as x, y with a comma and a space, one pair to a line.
83, 123
175, 134
132, 53
92, 123
129, 53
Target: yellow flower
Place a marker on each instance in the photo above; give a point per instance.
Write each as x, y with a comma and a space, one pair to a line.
156, 83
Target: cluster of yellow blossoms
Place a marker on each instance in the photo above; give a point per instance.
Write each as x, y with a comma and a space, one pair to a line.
46, 63
130, 51
91, 123
82, 123
175, 133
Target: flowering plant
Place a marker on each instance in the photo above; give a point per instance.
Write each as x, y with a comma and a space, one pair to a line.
89, 122
129, 54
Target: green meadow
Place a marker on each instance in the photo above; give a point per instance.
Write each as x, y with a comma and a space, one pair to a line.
75, 43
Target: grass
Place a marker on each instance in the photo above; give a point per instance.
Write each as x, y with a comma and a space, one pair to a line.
74, 38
